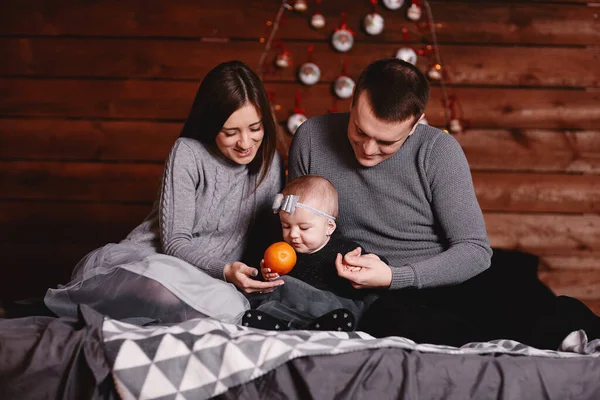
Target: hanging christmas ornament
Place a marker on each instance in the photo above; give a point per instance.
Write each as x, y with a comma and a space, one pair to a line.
294, 121
298, 116
274, 105
317, 20
309, 72
406, 53
300, 5
343, 86
393, 4
342, 38
373, 22
283, 59
457, 124
435, 72
414, 11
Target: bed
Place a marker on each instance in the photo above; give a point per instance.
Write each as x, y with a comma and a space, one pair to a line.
97, 357
100, 358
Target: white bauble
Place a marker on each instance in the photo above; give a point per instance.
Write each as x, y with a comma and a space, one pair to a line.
309, 73
455, 126
283, 60
414, 12
407, 54
342, 40
300, 5
373, 24
435, 73
294, 121
393, 4
317, 20
344, 87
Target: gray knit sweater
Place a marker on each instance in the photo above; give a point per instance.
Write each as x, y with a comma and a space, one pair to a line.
417, 208
205, 207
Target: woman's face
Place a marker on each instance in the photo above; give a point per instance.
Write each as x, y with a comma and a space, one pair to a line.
241, 135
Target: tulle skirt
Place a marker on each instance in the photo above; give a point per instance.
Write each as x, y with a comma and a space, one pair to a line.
126, 283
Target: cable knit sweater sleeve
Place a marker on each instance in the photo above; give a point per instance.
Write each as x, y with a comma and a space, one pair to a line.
456, 209
177, 210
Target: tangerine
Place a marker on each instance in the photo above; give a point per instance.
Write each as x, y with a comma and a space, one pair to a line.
280, 257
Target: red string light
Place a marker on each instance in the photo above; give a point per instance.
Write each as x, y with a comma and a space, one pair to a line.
297, 108
343, 25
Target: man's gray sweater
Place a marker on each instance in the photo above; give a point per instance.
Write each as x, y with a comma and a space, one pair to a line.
417, 208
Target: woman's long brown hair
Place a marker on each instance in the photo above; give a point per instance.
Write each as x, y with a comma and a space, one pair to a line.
225, 89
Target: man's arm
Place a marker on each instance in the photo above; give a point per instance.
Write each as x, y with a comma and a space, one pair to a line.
453, 201
461, 222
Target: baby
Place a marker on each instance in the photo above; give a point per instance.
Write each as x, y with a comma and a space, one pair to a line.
314, 296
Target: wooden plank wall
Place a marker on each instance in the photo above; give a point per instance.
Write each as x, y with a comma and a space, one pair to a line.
92, 95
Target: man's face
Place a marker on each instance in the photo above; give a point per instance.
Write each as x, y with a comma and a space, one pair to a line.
373, 140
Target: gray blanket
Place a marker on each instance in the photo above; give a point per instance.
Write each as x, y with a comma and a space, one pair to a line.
203, 358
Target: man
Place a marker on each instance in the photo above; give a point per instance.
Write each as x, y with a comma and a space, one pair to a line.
406, 193
405, 188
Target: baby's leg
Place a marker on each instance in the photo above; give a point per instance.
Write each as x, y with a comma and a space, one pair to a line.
302, 304
340, 319
262, 320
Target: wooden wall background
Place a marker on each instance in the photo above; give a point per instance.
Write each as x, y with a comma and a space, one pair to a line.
93, 93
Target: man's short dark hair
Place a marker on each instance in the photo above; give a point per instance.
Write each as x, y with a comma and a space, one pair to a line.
396, 89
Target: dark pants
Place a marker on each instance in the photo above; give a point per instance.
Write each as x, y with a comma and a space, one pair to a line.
507, 301
299, 303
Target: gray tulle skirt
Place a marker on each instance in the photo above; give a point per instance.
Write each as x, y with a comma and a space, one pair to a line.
122, 282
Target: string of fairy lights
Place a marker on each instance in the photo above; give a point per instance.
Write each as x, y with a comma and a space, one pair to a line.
342, 40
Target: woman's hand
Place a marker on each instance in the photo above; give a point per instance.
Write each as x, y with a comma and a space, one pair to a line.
266, 272
241, 275
363, 271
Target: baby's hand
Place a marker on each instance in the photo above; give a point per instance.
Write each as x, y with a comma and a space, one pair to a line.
266, 272
356, 253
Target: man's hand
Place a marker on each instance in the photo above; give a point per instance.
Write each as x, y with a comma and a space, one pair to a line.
241, 275
354, 253
363, 271
266, 272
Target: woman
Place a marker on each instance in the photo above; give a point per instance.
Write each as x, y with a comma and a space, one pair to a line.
185, 259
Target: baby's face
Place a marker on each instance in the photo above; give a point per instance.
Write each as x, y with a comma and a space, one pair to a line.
304, 231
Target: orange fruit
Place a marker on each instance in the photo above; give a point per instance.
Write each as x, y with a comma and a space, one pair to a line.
280, 257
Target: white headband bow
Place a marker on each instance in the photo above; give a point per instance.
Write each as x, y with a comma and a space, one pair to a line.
289, 203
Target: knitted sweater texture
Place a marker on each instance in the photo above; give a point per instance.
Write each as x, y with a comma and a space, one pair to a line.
205, 208
417, 208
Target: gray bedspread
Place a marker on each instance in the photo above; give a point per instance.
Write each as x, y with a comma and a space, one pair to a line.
204, 358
